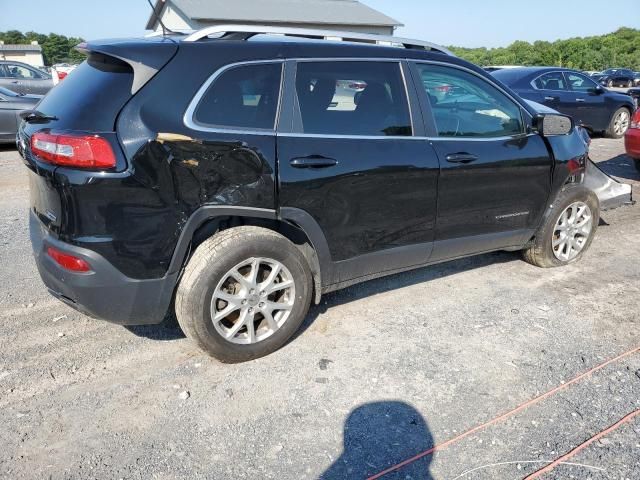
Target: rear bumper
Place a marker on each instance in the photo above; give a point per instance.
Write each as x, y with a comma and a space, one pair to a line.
104, 293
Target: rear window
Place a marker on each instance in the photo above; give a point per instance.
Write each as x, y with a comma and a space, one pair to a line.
91, 96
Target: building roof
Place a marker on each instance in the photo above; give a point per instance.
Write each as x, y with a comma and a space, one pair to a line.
316, 12
20, 48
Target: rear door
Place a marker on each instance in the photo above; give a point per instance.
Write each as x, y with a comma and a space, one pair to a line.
495, 177
555, 92
353, 161
10, 79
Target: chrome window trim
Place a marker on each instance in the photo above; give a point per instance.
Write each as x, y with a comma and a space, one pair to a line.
533, 82
189, 114
522, 108
398, 61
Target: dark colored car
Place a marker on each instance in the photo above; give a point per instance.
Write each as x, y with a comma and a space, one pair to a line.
236, 191
11, 104
616, 77
572, 93
22, 78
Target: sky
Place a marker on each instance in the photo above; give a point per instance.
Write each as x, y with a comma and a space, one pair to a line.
465, 23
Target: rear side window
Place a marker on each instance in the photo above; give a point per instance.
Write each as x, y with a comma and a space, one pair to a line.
352, 98
551, 81
465, 105
243, 97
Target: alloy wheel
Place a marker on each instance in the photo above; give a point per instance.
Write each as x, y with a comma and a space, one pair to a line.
572, 231
621, 123
253, 301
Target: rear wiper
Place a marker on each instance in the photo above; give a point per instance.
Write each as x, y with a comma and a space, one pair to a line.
34, 116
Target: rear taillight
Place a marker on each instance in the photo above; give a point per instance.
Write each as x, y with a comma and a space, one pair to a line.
67, 261
80, 151
635, 121
62, 75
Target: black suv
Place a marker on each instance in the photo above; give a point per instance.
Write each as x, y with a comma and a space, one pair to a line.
236, 179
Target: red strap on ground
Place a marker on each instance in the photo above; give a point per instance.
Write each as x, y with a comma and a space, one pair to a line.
504, 416
582, 446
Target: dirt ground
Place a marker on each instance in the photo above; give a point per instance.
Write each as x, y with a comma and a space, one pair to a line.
381, 372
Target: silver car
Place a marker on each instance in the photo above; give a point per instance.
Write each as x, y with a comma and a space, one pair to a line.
24, 79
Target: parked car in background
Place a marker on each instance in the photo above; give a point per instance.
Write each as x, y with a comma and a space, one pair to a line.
60, 71
632, 139
238, 188
636, 79
591, 73
616, 77
573, 93
11, 104
22, 78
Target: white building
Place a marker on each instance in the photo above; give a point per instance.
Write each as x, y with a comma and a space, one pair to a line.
31, 54
349, 15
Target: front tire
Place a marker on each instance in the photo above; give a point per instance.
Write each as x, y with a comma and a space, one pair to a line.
244, 293
619, 123
568, 229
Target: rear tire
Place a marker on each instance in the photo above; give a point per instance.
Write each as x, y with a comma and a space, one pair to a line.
563, 239
268, 286
619, 123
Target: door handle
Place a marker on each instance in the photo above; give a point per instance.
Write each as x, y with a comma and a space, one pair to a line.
551, 99
313, 161
15, 81
580, 100
461, 158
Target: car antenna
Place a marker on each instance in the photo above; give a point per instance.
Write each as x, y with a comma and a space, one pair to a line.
157, 15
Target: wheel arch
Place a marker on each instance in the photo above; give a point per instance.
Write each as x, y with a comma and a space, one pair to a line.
294, 224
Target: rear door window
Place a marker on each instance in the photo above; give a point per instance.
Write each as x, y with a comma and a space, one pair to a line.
18, 71
550, 81
352, 98
244, 96
465, 105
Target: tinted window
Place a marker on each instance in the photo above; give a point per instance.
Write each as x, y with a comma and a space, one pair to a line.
550, 81
92, 97
580, 83
464, 105
242, 97
353, 98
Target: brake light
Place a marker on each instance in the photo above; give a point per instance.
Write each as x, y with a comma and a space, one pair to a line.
635, 121
81, 151
68, 262
62, 75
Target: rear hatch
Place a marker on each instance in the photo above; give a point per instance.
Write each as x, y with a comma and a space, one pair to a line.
86, 105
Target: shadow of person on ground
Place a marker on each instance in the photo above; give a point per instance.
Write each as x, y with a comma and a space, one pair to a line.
380, 435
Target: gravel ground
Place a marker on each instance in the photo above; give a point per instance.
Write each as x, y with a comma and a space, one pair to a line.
381, 372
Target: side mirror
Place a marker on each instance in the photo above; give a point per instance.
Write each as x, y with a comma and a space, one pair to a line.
552, 124
597, 90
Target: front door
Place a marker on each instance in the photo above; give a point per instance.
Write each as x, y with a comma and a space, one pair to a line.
589, 107
495, 178
354, 164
